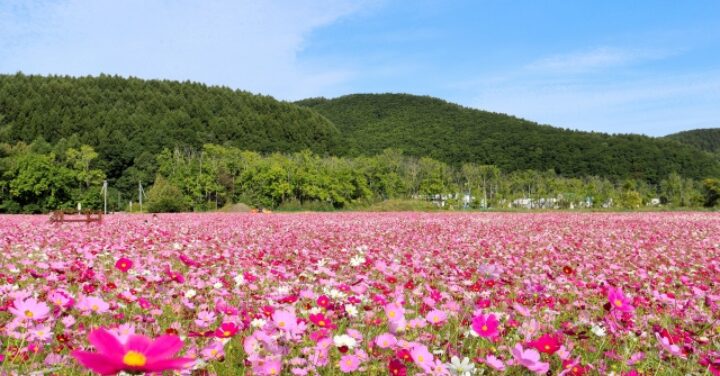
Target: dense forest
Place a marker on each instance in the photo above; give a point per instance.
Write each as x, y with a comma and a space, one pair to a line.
38, 178
204, 147
129, 121
704, 139
425, 126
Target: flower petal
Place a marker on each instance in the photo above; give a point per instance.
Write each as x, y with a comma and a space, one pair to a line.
99, 363
164, 347
106, 343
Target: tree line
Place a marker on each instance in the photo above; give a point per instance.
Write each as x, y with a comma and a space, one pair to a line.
40, 177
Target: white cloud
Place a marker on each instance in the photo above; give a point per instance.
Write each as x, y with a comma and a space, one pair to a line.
595, 59
643, 104
245, 44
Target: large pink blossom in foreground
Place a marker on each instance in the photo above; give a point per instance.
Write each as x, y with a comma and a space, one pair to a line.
138, 354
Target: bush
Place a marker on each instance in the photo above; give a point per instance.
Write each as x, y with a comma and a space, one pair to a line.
164, 197
712, 192
402, 205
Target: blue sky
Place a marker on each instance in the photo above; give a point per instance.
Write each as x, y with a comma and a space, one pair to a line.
615, 66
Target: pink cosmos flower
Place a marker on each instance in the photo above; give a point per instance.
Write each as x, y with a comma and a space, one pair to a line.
485, 325
226, 330
214, 350
93, 304
139, 354
547, 343
673, 349
268, 367
618, 301
123, 264
436, 317
495, 363
285, 320
394, 312
385, 340
349, 363
29, 309
422, 357
530, 359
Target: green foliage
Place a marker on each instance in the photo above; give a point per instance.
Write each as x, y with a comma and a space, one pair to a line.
712, 192
165, 197
704, 139
630, 199
429, 127
35, 182
398, 205
127, 120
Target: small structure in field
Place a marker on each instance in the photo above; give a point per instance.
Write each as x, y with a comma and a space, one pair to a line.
88, 216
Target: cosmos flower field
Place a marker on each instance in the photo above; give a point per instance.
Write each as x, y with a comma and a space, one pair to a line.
362, 293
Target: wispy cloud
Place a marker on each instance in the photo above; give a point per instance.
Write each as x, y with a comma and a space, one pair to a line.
246, 44
596, 59
587, 90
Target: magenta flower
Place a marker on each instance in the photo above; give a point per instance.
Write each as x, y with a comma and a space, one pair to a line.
29, 309
485, 325
123, 264
139, 354
618, 301
349, 363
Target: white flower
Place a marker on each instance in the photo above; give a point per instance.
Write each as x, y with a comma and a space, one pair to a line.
258, 323
598, 330
461, 368
357, 260
336, 294
190, 293
283, 290
344, 340
351, 310
314, 310
239, 280
218, 285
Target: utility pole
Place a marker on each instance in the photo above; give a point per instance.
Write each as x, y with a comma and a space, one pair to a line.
104, 192
141, 193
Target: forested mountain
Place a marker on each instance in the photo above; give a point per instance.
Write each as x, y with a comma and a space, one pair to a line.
60, 137
705, 139
129, 121
425, 126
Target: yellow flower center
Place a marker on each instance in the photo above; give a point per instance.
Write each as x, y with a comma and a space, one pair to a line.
618, 303
95, 307
134, 359
123, 265
484, 328
547, 347
420, 358
28, 314
227, 333
348, 362
273, 371
321, 323
436, 319
40, 333
391, 314
281, 324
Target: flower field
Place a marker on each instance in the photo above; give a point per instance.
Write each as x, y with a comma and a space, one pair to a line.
363, 293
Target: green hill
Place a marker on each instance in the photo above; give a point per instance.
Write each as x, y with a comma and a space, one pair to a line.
704, 139
425, 126
129, 121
